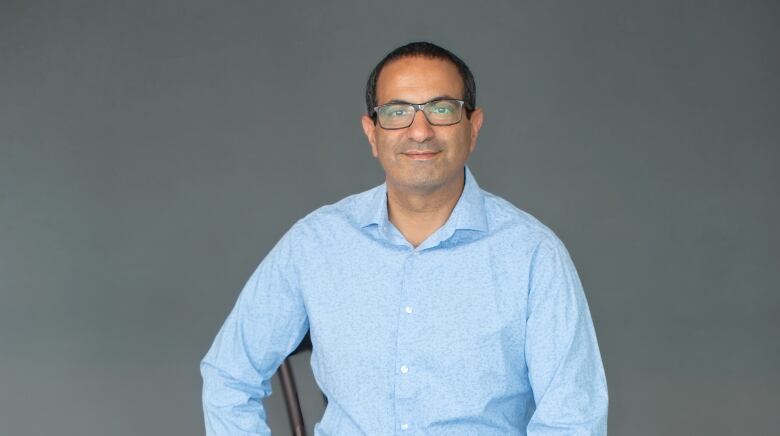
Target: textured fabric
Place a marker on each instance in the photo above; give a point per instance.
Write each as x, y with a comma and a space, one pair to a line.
483, 329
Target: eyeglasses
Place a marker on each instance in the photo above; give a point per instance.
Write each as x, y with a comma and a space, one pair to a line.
444, 112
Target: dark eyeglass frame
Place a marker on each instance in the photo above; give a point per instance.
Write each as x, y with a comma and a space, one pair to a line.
420, 107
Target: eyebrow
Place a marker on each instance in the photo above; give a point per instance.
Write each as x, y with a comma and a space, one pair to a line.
440, 97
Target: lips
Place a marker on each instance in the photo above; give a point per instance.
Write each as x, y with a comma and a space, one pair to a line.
421, 155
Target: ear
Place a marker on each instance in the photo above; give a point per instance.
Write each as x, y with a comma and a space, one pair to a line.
476, 124
369, 128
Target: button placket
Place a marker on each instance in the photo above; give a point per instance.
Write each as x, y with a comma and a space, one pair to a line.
415, 254
406, 389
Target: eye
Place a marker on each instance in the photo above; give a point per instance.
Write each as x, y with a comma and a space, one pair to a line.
442, 108
395, 111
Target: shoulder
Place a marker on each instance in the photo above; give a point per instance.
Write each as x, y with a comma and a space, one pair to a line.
509, 222
334, 217
525, 238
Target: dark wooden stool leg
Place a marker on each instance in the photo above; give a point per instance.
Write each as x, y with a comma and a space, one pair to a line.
291, 399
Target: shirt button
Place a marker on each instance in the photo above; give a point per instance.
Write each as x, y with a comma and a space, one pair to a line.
404, 369
408, 309
404, 426
416, 253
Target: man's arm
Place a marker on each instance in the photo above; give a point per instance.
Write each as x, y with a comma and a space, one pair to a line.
564, 364
266, 324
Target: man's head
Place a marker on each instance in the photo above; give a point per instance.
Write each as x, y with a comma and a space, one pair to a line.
419, 73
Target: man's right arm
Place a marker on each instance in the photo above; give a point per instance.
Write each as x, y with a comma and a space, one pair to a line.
266, 324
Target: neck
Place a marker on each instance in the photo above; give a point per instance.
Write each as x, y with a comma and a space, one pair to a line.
418, 214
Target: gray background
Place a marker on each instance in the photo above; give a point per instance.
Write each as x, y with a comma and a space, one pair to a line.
151, 153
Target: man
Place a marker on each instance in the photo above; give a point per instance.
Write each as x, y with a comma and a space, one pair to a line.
435, 308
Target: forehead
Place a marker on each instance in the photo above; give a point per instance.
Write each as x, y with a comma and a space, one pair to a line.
417, 80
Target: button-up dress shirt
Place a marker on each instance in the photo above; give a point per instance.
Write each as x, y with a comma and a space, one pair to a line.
482, 329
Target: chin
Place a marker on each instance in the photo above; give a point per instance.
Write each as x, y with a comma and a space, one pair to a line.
417, 178
420, 184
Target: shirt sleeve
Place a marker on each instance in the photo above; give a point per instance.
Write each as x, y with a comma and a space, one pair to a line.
266, 324
564, 363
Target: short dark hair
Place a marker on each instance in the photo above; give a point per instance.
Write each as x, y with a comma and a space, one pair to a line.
427, 50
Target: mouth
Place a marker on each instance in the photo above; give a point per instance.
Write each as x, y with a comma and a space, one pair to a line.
421, 155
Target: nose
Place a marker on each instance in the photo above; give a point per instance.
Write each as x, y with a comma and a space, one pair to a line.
420, 130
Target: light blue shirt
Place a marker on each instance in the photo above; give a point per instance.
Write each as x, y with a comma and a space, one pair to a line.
483, 329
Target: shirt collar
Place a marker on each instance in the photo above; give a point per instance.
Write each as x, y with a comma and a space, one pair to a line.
468, 213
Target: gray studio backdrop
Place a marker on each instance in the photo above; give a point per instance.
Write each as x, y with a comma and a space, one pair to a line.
151, 153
